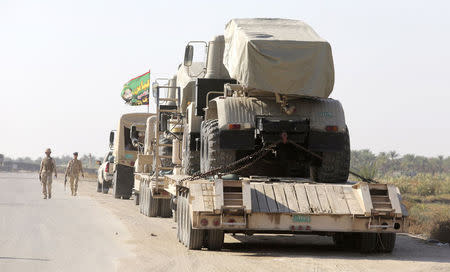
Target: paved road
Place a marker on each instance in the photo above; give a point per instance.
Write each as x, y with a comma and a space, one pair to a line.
62, 234
78, 234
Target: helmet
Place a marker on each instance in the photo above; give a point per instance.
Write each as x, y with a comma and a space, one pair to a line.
48, 150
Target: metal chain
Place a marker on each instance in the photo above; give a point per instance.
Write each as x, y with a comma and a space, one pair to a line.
253, 158
231, 168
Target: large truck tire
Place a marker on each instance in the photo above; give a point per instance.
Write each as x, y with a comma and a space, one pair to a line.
166, 151
165, 208
191, 158
153, 204
386, 242
343, 240
334, 167
215, 239
367, 242
123, 181
192, 238
212, 156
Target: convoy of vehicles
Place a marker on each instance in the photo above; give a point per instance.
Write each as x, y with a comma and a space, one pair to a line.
250, 142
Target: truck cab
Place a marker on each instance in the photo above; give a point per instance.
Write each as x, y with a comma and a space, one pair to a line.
125, 152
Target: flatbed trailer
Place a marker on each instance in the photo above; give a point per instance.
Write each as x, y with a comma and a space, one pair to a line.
205, 209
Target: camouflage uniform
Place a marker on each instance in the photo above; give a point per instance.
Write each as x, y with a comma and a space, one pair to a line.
73, 170
45, 172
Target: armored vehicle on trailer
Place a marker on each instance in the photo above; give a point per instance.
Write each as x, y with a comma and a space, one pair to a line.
259, 108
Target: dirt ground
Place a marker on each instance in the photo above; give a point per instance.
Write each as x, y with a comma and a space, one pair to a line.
155, 248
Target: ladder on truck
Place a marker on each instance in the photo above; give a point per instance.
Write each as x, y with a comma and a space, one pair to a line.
165, 111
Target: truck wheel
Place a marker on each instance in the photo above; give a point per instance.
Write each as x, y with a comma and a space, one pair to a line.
215, 239
386, 242
334, 167
165, 209
99, 187
105, 187
115, 195
367, 242
191, 158
212, 156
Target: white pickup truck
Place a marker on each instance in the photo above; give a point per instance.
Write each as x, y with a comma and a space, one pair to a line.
105, 173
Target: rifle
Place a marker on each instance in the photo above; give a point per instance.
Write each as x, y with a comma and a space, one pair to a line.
65, 182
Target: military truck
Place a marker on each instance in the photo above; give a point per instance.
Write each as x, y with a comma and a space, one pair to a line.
259, 109
125, 152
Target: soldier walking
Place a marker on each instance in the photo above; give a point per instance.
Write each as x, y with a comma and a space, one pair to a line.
73, 170
45, 174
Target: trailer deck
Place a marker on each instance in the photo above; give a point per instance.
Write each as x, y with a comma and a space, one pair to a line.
290, 205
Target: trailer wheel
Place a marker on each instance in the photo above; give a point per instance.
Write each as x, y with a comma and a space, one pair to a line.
180, 217
165, 209
215, 239
195, 237
212, 156
386, 242
136, 198
367, 242
334, 167
344, 240
191, 158
141, 197
173, 207
153, 204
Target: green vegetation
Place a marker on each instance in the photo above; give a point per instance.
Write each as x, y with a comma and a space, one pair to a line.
423, 182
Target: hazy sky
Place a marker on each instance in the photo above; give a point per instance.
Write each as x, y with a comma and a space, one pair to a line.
63, 63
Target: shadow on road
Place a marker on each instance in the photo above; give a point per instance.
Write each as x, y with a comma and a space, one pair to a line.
407, 249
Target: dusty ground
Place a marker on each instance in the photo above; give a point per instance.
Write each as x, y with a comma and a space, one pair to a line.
155, 247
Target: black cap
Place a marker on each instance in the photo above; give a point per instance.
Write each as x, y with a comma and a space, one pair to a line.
75, 153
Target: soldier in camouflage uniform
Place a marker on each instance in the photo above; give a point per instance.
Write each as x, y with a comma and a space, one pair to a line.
73, 170
45, 174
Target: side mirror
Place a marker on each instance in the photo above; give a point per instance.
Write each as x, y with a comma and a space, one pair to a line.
98, 163
188, 55
111, 139
111, 159
155, 89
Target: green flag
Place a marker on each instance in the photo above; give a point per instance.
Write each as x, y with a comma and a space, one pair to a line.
135, 92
